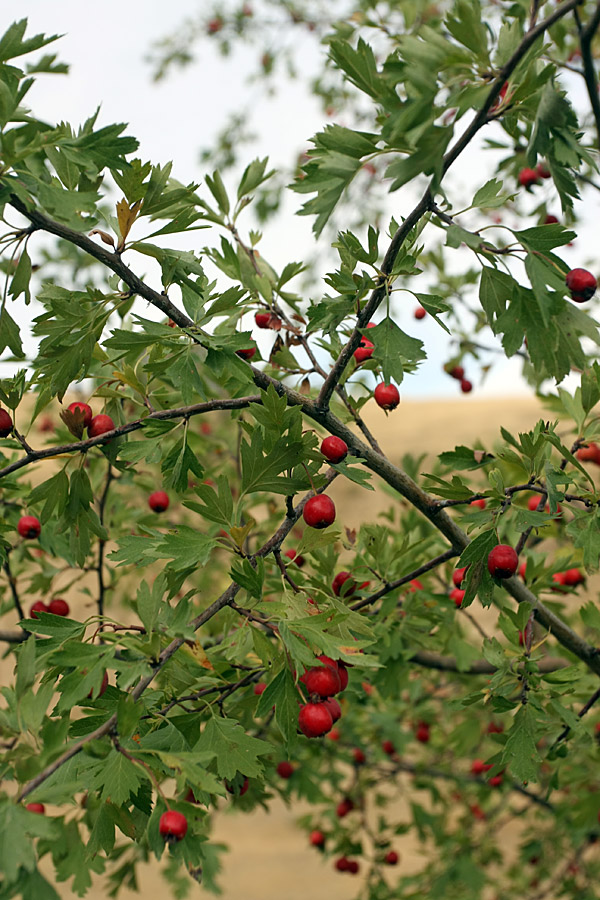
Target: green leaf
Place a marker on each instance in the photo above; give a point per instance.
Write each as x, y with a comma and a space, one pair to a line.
186, 548
282, 693
118, 779
520, 754
13, 45
394, 348
234, 750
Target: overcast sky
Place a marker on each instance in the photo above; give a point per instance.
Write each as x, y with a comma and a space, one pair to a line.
106, 45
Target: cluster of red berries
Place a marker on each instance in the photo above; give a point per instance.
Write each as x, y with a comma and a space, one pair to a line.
57, 607
83, 417
322, 682
529, 177
458, 373
581, 284
457, 594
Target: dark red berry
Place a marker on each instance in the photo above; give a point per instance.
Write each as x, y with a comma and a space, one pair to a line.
317, 839
343, 584
388, 748
262, 319
246, 353
173, 826
334, 449
528, 177
6, 423
359, 757
502, 561
334, 708
29, 527
36, 808
285, 769
293, 556
58, 607
457, 596
344, 807
100, 425
38, 606
581, 284
239, 792
322, 680
466, 386
315, 720
391, 858
319, 511
364, 350
457, 372
387, 396
158, 501
458, 576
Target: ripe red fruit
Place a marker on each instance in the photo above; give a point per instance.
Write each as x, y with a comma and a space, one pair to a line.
344, 584
334, 449
523, 569
343, 673
458, 576
260, 688
550, 220
352, 867
262, 319
420, 313
359, 757
38, 606
413, 586
388, 748
532, 503
173, 826
215, 25
495, 780
480, 503
158, 501
502, 561
6, 423
317, 839
478, 767
364, 350
29, 527
573, 577
344, 807
322, 680
84, 409
36, 808
315, 720
334, 734
495, 728
246, 352
457, 595
477, 811
422, 733
319, 511
285, 769
528, 177
341, 864
293, 556
457, 372
543, 170
466, 386
386, 396
334, 708
100, 425
58, 607
589, 453
391, 858
581, 284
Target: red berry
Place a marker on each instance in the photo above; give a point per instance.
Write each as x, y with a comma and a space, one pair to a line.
589, 453
259, 688
581, 284
420, 313
343, 673
359, 757
334, 449
285, 769
83, 409
391, 858
240, 791
353, 867
6, 423
100, 425
458, 576
293, 556
334, 734
36, 808
341, 864
364, 350
573, 577
344, 807
387, 396
422, 733
214, 25
478, 767
528, 177
334, 708
262, 319
173, 826
466, 386
413, 586
457, 595
457, 372
388, 748
319, 511
343, 584
532, 503
550, 220
480, 503
502, 561
158, 501
322, 680
495, 728
495, 780
58, 607
477, 811
317, 839
38, 606
315, 720
543, 170
246, 353
29, 527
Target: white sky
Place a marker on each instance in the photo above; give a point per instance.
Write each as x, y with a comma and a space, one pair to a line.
106, 45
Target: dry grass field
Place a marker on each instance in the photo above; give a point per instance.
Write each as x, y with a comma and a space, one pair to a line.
269, 858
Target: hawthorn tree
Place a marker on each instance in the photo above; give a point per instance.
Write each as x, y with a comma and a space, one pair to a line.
178, 484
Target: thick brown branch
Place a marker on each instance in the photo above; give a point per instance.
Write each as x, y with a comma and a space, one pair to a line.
586, 35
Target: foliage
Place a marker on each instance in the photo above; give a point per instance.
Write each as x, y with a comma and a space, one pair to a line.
189, 609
